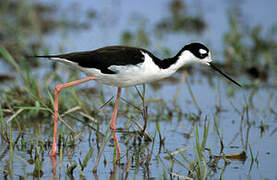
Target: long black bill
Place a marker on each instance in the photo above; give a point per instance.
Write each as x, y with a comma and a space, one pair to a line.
218, 70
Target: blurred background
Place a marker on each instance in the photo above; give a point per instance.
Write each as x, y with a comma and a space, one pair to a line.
201, 106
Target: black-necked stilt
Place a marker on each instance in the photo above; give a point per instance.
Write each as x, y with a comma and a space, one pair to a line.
123, 66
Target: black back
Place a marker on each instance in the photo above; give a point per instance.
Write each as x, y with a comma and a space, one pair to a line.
105, 57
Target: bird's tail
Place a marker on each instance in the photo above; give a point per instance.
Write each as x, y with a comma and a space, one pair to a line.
43, 56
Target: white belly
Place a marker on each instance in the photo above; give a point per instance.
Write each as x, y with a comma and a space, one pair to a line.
127, 76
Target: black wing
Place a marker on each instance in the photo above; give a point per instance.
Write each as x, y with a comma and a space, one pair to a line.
105, 57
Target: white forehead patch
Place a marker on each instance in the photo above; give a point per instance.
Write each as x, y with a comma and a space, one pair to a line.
202, 51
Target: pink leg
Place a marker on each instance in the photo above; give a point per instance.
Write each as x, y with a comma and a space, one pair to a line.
113, 123
57, 90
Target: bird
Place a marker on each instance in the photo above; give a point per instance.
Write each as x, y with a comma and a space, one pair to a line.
125, 66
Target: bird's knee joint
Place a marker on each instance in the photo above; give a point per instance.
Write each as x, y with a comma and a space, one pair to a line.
58, 88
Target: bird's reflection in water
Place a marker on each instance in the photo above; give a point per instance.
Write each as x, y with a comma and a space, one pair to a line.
54, 169
54, 165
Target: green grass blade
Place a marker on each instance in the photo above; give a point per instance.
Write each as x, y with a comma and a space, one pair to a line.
7, 56
87, 157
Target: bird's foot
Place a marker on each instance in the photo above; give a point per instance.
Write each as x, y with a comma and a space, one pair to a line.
113, 127
53, 151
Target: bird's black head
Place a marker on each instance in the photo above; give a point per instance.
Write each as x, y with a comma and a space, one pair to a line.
197, 49
197, 53
194, 53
